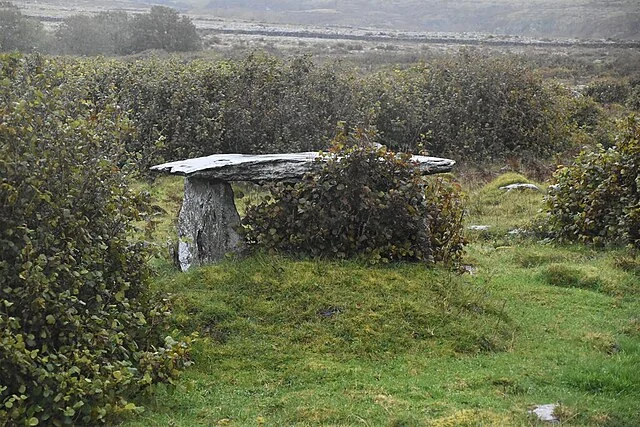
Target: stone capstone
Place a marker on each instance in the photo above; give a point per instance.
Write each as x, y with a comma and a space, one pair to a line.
270, 167
206, 224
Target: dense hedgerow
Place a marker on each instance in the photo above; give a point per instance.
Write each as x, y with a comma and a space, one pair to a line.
633, 100
364, 202
597, 198
468, 107
80, 332
258, 105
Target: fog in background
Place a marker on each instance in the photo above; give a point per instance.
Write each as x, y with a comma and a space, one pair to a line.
587, 19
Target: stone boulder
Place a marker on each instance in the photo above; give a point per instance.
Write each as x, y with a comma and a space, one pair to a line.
520, 186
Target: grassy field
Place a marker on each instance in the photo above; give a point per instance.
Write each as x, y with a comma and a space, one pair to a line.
316, 342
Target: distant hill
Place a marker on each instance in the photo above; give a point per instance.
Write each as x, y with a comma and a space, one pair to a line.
584, 19
594, 19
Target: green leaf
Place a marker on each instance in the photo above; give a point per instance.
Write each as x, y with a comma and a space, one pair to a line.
119, 296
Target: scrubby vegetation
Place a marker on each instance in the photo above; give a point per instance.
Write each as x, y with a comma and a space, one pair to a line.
81, 333
608, 91
597, 197
19, 32
116, 33
470, 108
366, 201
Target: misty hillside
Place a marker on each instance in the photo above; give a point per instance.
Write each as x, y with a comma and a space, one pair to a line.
535, 18
584, 19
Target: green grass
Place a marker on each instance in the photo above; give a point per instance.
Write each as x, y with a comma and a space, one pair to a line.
502, 210
317, 342
165, 193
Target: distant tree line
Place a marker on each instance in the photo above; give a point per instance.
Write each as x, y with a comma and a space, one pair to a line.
106, 33
18, 32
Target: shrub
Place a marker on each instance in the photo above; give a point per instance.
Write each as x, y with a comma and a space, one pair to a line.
597, 198
468, 107
115, 33
608, 91
107, 33
258, 105
584, 112
80, 332
271, 105
633, 100
163, 28
365, 201
19, 32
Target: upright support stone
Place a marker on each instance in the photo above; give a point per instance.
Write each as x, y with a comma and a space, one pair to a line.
206, 222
